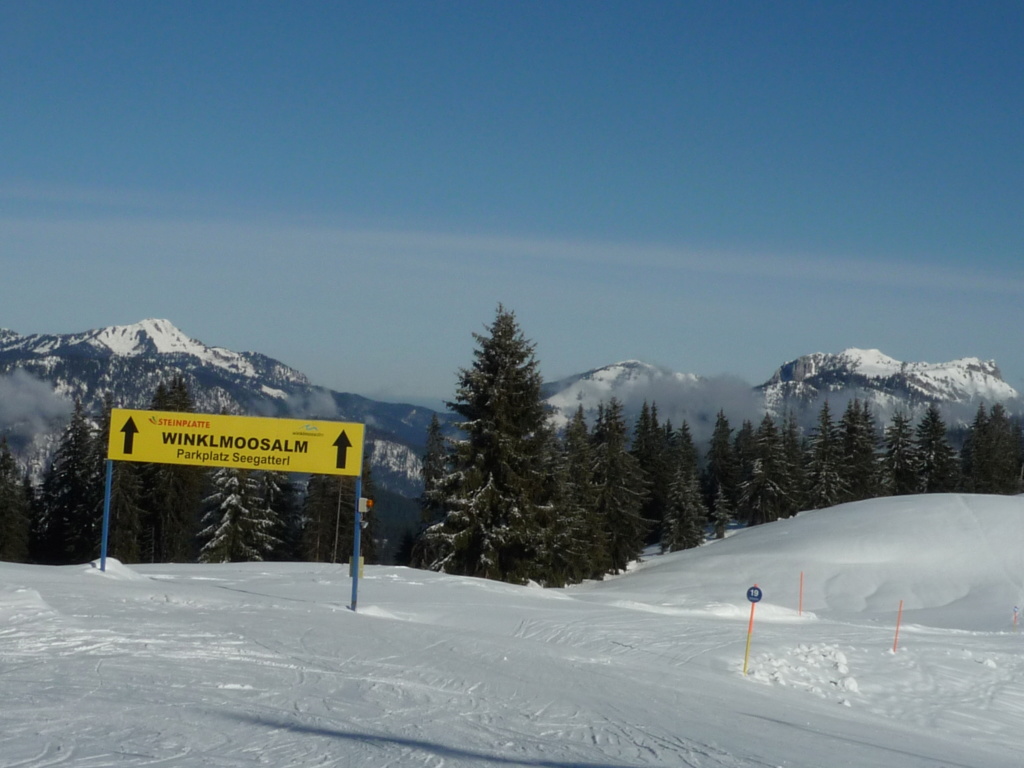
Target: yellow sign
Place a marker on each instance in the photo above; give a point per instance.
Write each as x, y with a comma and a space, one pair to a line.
247, 442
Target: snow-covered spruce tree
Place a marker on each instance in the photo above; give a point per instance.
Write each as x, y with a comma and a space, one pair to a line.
765, 494
938, 467
560, 523
279, 495
14, 509
651, 450
827, 484
238, 526
494, 482
588, 551
684, 523
900, 462
745, 451
721, 475
859, 437
991, 453
574, 546
793, 445
722, 513
620, 487
433, 471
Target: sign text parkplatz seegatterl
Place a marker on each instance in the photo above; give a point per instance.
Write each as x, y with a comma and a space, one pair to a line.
246, 442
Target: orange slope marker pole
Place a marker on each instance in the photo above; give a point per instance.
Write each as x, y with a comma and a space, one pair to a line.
753, 595
899, 618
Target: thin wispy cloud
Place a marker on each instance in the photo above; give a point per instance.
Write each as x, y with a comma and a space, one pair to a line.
45, 232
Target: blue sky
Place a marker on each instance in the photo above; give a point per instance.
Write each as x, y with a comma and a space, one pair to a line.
352, 188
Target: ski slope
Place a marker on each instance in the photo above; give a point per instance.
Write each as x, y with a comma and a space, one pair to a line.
264, 664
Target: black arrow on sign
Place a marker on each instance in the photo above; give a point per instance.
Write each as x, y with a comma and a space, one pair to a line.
130, 431
342, 444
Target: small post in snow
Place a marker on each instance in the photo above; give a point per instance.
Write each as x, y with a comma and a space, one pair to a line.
754, 594
362, 505
356, 531
899, 618
106, 516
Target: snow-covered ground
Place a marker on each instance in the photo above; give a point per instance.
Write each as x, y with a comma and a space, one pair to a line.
265, 664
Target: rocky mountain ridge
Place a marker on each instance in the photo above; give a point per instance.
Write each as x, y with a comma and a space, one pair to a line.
965, 381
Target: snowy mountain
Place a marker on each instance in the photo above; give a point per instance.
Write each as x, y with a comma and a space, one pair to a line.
888, 384
128, 362
631, 382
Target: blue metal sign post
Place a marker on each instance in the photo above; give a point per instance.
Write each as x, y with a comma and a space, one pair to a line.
106, 516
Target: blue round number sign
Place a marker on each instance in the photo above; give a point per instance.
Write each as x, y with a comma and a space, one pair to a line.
754, 594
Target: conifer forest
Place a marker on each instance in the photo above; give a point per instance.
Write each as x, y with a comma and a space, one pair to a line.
506, 496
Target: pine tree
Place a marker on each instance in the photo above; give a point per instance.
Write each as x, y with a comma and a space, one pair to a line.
938, 469
126, 513
721, 475
650, 449
722, 514
238, 525
795, 461
434, 471
900, 464
764, 494
278, 493
860, 445
991, 453
557, 521
320, 511
745, 450
14, 509
495, 481
1004, 452
619, 486
68, 530
827, 483
172, 493
588, 553
684, 525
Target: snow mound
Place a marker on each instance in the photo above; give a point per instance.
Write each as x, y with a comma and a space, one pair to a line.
115, 569
955, 560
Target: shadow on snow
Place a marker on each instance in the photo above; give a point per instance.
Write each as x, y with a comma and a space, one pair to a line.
441, 750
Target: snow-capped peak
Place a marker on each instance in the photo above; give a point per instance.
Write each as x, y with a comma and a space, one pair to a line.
145, 336
871, 362
627, 381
